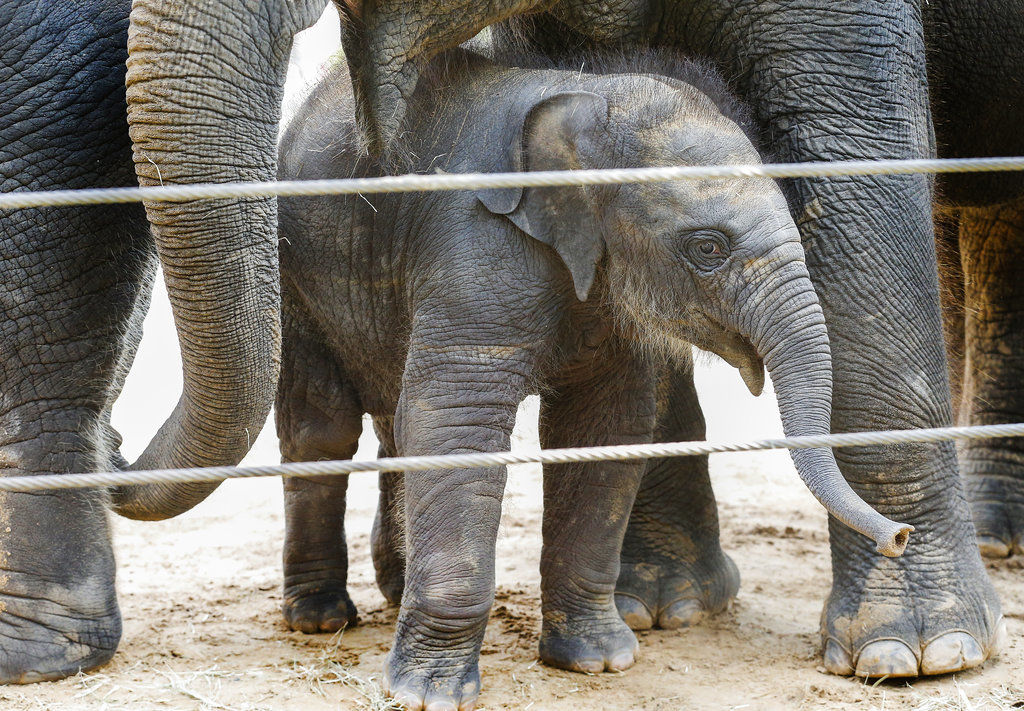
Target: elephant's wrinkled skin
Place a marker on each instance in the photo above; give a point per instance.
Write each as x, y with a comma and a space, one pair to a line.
438, 313
76, 287
980, 112
62, 121
853, 90
862, 97
826, 80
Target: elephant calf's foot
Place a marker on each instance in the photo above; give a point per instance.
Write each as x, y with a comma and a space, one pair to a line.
999, 524
588, 644
449, 682
319, 611
905, 617
674, 595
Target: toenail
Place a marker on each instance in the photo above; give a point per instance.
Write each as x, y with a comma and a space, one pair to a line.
951, 652
681, 613
886, 657
837, 659
621, 661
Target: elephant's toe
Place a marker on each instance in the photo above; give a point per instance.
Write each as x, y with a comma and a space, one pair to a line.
886, 657
681, 614
838, 659
675, 595
634, 612
951, 652
997, 509
451, 686
592, 647
319, 612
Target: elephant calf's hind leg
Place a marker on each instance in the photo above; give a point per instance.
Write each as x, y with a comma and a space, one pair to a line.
674, 571
317, 418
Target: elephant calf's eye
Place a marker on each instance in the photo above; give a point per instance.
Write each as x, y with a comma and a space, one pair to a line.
706, 250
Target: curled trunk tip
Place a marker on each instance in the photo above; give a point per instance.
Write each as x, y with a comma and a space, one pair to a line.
891, 539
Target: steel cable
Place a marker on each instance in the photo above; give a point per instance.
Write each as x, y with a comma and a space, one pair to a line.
47, 482
19, 199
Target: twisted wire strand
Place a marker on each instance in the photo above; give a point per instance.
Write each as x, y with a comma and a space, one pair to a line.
477, 181
47, 482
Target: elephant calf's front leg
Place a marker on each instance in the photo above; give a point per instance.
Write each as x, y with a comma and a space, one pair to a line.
451, 526
586, 509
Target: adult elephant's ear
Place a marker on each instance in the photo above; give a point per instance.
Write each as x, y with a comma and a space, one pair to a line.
549, 137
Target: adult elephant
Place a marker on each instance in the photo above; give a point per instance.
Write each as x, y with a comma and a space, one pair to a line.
76, 287
827, 80
978, 112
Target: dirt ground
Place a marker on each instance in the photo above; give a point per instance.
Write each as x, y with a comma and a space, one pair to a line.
201, 595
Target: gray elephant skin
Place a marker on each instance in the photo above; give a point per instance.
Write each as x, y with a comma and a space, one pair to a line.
821, 87
980, 232
438, 313
835, 80
76, 290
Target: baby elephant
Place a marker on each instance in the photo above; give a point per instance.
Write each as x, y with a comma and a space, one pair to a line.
438, 313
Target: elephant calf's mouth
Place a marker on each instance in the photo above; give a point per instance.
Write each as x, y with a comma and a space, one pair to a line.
734, 348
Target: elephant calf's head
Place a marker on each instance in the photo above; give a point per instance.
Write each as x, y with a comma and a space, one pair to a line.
715, 263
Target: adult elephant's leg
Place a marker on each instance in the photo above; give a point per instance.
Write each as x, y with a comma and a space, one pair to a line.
992, 248
386, 538
318, 418
455, 399
951, 283
836, 81
586, 510
74, 285
74, 280
674, 571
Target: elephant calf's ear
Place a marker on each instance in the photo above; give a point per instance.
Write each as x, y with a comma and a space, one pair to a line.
549, 138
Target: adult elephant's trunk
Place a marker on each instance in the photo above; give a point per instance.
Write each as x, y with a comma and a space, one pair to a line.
387, 42
788, 330
205, 83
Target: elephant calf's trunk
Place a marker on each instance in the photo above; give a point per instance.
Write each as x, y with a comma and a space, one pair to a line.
820, 473
800, 364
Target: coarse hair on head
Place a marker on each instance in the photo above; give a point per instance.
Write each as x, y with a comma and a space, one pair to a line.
515, 49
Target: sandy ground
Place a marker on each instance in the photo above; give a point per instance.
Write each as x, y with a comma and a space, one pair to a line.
200, 594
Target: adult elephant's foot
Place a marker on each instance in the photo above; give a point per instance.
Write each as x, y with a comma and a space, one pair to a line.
43, 640
676, 593
312, 609
932, 611
52, 627
50, 642
58, 605
446, 681
996, 497
591, 644
1000, 526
